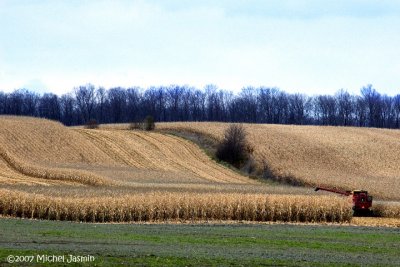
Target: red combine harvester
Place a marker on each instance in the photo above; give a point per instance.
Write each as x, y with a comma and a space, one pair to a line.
362, 202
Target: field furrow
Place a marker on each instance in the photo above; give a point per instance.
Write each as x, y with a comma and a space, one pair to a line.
110, 148
153, 151
184, 160
11, 175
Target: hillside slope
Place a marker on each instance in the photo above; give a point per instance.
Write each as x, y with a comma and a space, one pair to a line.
42, 151
343, 157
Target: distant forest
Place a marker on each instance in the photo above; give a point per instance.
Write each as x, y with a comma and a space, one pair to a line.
184, 103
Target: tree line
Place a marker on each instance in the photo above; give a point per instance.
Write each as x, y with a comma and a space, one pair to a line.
185, 103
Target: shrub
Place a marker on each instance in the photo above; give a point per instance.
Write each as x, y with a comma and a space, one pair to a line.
149, 124
92, 124
234, 147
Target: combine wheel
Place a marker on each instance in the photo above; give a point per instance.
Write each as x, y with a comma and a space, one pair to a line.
363, 213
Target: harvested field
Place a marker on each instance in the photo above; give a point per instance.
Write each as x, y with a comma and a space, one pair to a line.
163, 158
45, 149
376, 221
343, 157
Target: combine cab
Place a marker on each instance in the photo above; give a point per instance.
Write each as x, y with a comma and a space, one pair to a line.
362, 202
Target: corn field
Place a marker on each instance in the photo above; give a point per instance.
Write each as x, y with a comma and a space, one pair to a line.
157, 207
387, 209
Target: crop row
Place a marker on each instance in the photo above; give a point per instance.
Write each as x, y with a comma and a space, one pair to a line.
157, 207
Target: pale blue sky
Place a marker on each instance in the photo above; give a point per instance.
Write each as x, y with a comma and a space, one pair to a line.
303, 46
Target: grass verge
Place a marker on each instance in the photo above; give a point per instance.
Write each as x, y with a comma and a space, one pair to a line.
201, 244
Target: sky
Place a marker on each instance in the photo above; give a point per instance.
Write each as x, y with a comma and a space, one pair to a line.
302, 46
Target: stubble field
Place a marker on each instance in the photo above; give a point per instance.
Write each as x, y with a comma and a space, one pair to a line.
342, 157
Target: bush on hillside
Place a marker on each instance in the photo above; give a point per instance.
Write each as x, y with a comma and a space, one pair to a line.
234, 147
149, 124
92, 124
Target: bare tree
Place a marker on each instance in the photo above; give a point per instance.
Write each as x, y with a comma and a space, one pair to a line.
184, 103
68, 111
372, 100
325, 106
297, 103
117, 99
49, 107
101, 97
396, 107
85, 99
345, 106
134, 100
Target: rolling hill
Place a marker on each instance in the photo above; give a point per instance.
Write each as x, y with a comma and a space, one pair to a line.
343, 157
43, 151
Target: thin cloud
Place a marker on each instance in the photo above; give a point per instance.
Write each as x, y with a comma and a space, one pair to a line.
305, 46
